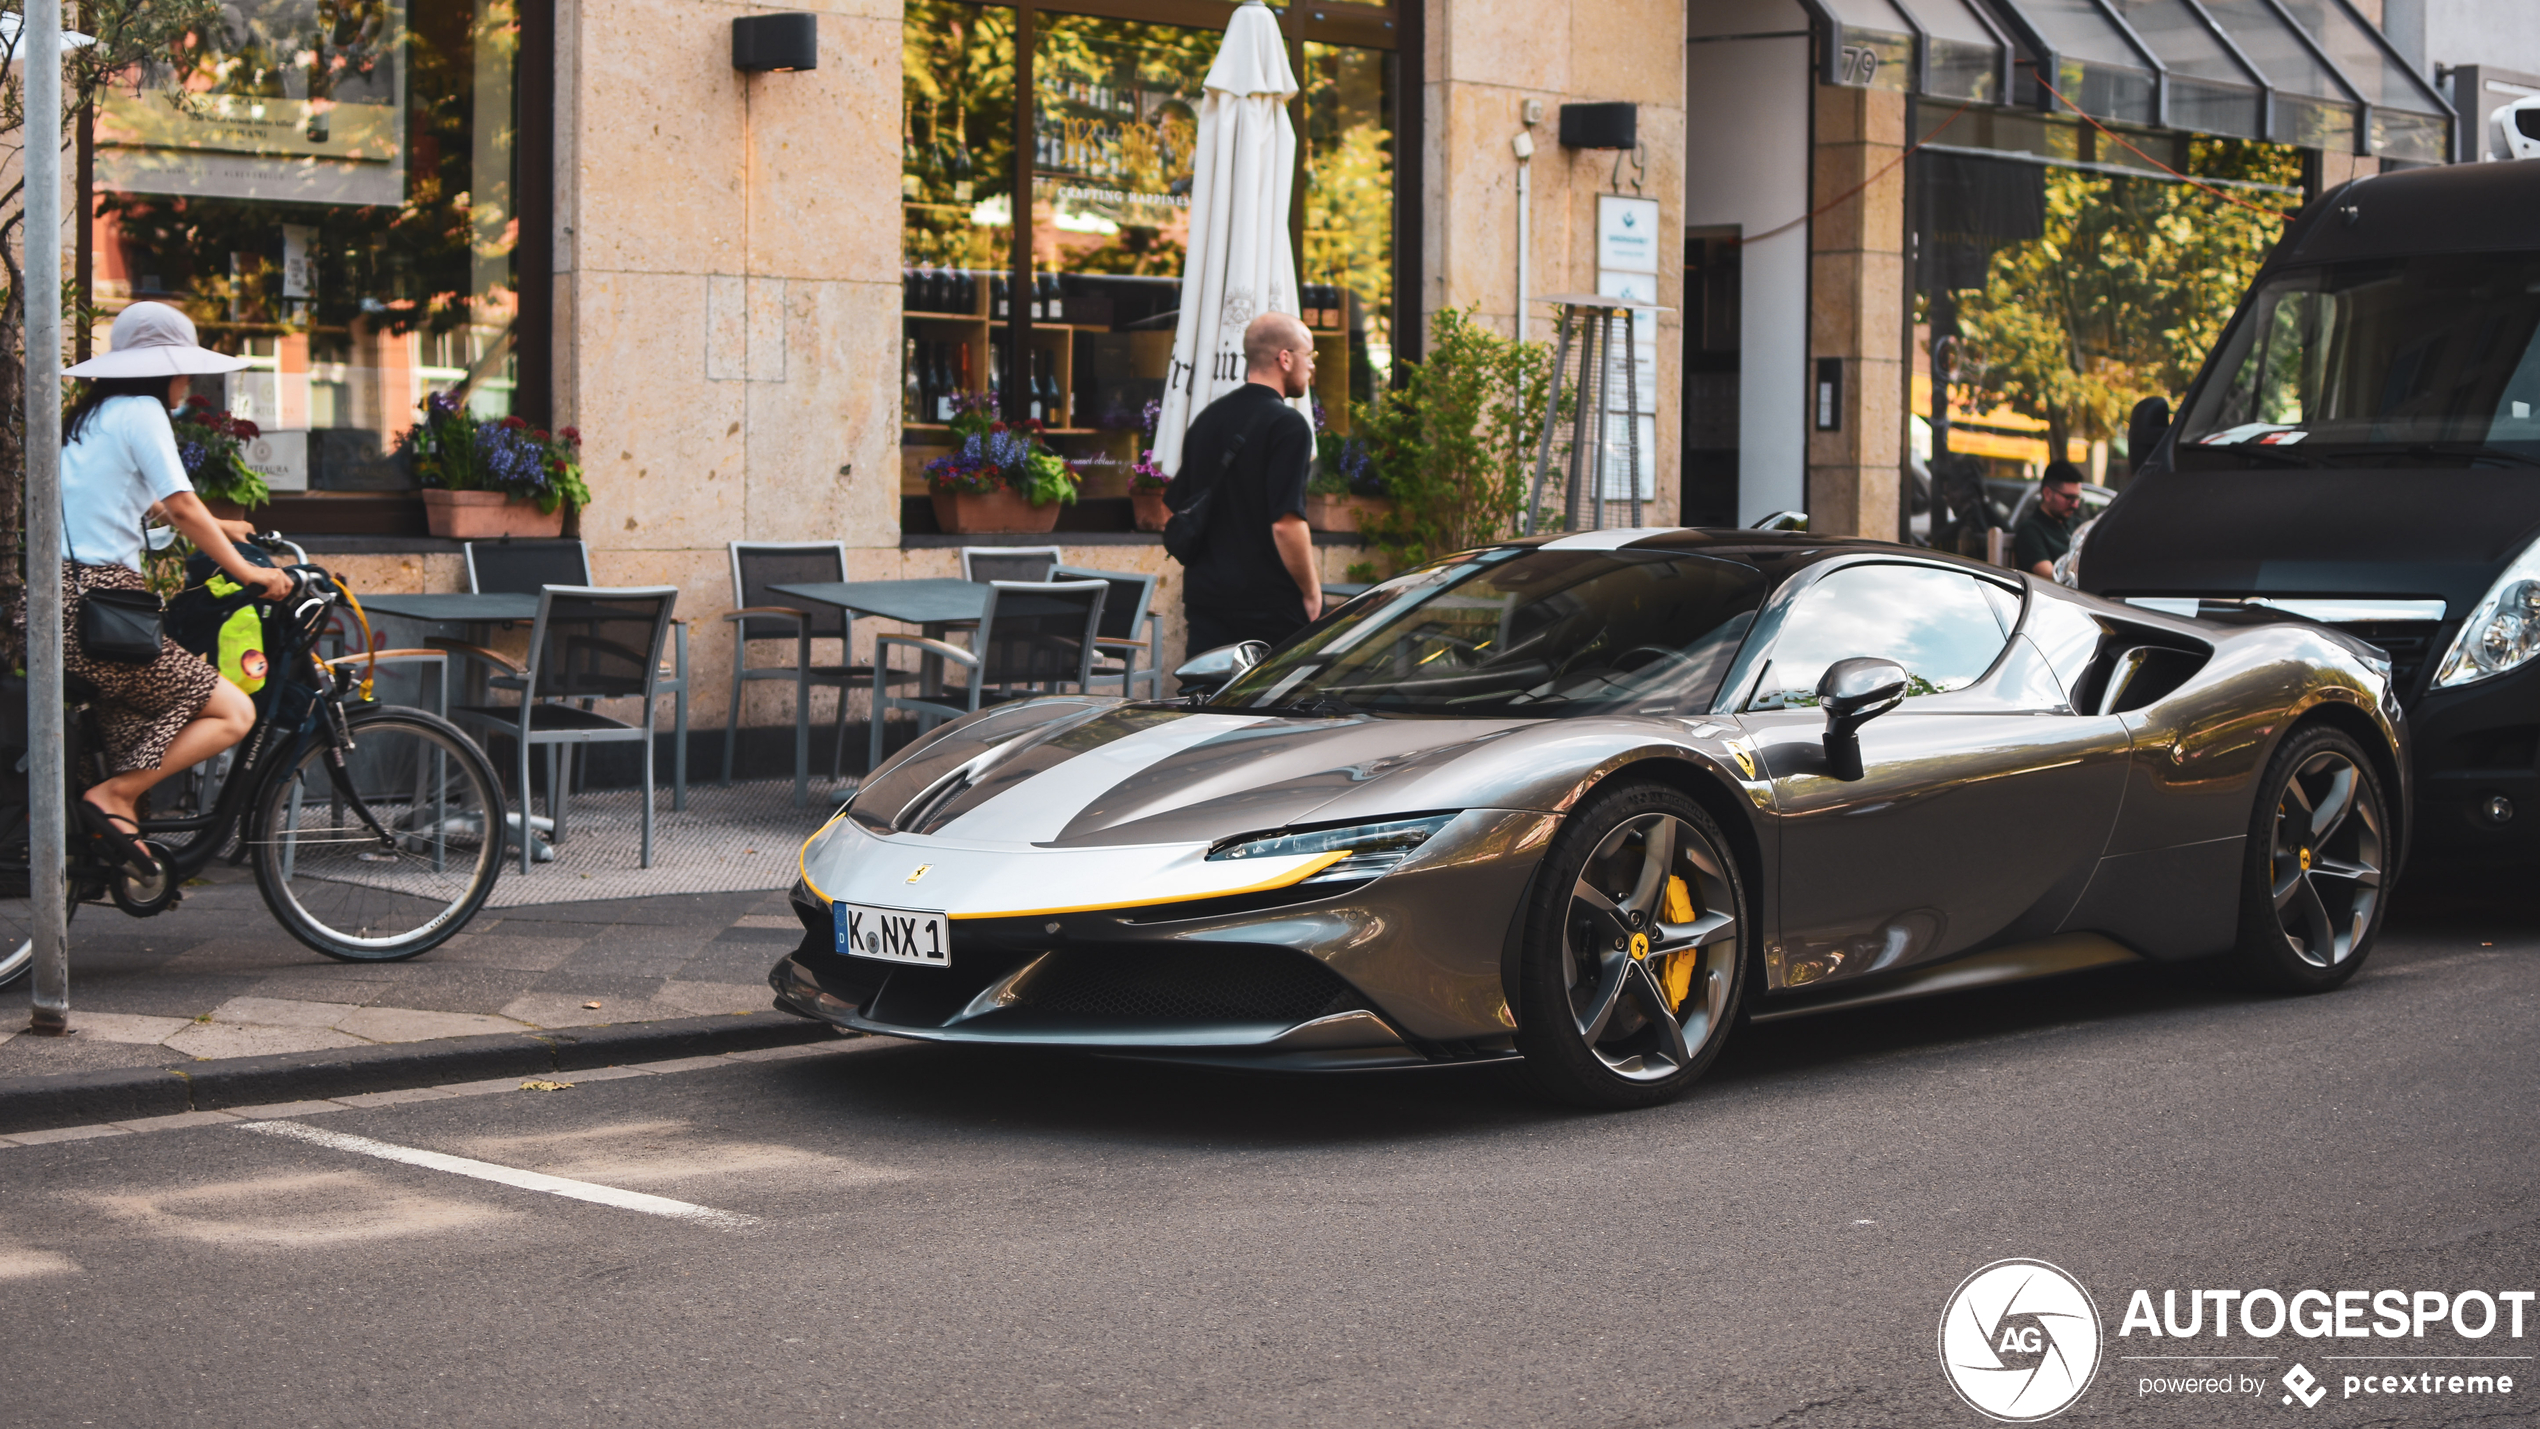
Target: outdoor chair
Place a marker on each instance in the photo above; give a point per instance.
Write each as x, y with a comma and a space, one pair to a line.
509, 567
1128, 628
589, 643
1032, 637
1008, 563
756, 565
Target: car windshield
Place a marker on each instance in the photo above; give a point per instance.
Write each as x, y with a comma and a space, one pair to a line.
2426, 360
1521, 632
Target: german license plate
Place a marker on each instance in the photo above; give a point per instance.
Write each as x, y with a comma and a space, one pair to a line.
894, 935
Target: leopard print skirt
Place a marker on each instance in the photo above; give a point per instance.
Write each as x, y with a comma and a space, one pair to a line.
140, 707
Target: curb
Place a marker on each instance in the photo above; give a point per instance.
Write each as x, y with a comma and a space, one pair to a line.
42, 1103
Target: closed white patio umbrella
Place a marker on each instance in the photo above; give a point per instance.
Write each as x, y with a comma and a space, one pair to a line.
1239, 263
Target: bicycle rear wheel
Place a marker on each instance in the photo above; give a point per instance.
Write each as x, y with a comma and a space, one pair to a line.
330, 877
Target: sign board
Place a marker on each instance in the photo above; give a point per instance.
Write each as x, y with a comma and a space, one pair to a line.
1627, 238
281, 458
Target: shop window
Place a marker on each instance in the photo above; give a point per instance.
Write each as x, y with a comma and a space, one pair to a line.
1113, 130
333, 189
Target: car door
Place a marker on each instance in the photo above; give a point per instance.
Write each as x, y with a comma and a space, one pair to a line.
1985, 800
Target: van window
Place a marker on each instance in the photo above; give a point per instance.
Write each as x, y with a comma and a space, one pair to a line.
2421, 361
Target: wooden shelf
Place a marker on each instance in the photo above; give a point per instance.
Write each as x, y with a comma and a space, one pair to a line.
944, 317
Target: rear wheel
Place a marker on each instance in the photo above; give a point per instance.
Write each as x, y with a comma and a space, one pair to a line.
1634, 961
2319, 844
330, 877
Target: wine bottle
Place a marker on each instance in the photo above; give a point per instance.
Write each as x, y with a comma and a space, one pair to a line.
1053, 411
1032, 387
997, 297
1037, 300
961, 371
912, 395
1051, 299
947, 382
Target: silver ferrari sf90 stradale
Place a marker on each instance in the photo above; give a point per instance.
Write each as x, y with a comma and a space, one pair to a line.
1592, 800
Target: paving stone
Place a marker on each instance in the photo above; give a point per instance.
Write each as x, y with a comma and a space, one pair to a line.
176, 1120
484, 1088
550, 1009
124, 1027
703, 997
277, 1111
282, 1012
603, 1074
217, 1039
65, 1133
396, 1098
410, 1024
682, 1064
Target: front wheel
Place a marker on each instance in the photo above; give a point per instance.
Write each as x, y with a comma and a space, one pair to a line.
389, 855
1634, 959
2318, 854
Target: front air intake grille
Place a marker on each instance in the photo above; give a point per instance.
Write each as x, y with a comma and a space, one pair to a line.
2408, 643
1185, 984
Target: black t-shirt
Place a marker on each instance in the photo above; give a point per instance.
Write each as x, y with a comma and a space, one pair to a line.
1237, 570
2041, 538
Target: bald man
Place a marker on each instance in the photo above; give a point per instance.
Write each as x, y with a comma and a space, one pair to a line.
1253, 576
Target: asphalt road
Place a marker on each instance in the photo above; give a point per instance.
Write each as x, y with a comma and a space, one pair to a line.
944, 1237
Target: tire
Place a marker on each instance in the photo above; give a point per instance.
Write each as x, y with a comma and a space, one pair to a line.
1632, 1025
335, 886
2313, 882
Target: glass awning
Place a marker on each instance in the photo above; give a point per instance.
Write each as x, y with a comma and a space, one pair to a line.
2309, 72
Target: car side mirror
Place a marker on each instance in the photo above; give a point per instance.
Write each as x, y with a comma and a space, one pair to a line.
1852, 693
1212, 670
2144, 428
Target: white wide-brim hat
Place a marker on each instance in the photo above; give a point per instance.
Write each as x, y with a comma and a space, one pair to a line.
154, 340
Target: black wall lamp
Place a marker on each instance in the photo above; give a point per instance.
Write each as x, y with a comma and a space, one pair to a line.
763, 43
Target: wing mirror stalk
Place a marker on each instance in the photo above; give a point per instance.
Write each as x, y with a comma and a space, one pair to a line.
1852, 693
1209, 671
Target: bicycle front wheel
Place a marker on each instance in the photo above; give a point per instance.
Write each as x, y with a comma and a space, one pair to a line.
393, 855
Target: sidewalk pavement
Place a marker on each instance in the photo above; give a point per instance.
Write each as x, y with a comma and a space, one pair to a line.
217, 978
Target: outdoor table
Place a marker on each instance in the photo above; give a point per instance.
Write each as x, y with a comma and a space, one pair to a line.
477, 612
934, 605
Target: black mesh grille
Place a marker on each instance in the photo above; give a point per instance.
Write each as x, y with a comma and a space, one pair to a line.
1187, 985
2408, 643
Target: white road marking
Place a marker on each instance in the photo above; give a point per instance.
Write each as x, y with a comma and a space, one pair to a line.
506, 1175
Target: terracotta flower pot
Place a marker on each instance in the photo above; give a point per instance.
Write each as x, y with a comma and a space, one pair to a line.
1345, 513
1149, 505
484, 515
1000, 510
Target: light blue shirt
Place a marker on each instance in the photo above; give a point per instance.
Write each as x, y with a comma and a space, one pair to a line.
122, 463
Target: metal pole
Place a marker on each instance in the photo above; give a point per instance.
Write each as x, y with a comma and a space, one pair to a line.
1582, 394
1604, 416
47, 791
1631, 400
1551, 419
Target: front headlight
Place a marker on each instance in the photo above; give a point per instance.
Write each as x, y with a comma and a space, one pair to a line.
2503, 633
1372, 848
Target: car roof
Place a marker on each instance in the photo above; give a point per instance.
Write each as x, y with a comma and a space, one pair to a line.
2455, 208
1777, 555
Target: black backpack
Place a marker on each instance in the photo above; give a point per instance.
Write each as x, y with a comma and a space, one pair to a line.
1187, 528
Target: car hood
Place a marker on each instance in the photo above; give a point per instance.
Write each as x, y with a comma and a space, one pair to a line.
1063, 773
2311, 531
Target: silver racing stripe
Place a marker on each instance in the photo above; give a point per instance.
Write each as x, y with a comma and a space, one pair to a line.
1039, 808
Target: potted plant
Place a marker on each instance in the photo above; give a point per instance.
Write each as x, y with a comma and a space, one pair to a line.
484, 479
1147, 482
212, 444
1456, 440
1346, 492
998, 477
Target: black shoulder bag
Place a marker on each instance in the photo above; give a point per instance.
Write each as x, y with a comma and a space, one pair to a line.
118, 625
1188, 527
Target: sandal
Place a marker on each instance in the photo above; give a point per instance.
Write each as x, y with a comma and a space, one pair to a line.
127, 848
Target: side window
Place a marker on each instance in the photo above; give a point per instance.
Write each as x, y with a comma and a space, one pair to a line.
1937, 624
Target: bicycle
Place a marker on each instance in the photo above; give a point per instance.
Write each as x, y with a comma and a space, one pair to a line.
376, 831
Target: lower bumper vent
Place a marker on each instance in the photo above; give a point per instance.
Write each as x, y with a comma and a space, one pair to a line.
1186, 984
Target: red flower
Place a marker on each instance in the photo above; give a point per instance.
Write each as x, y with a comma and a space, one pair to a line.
573, 435
994, 427
514, 423
540, 435
245, 430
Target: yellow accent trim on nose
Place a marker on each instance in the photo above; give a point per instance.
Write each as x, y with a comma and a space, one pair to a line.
1298, 875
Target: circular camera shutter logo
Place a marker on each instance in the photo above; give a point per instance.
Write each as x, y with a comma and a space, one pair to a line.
2019, 1341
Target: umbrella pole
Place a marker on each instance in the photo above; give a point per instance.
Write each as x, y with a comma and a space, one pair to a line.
1551, 419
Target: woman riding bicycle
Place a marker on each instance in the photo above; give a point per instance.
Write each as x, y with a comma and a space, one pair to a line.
120, 463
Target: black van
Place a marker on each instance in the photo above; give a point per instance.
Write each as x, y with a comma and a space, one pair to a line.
2363, 448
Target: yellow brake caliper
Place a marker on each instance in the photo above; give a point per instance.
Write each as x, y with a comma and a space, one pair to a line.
1681, 962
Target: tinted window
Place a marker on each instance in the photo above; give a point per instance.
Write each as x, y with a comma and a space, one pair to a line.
2391, 353
1539, 632
1937, 624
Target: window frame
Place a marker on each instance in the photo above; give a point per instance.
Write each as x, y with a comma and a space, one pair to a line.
1746, 671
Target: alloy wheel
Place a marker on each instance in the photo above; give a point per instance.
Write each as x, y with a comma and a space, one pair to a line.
2324, 867
1650, 946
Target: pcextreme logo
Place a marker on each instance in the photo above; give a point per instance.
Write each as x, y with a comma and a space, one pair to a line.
2019, 1341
